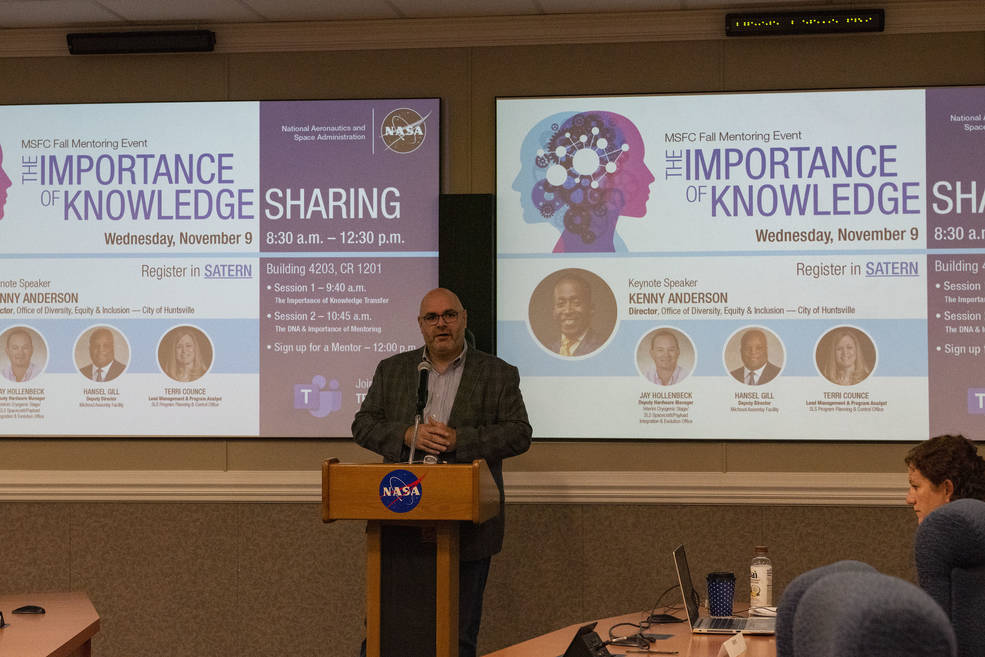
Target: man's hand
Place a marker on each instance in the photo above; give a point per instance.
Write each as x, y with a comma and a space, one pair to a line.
433, 437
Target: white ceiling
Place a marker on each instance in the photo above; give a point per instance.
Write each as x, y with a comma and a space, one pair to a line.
123, 13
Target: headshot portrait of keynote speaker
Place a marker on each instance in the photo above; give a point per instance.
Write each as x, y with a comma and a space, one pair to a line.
665, 356
25, 354
102, 353
185, 353
754, 356
845, 355
572, 312
580, 172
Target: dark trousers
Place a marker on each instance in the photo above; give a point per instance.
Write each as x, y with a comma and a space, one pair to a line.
472, 576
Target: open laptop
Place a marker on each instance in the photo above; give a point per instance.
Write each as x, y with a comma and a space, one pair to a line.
714, 624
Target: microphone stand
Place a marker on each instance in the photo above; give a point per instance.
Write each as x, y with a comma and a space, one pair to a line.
429, 459
413, 441
424, 369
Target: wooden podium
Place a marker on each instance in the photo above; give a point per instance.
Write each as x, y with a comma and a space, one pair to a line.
401, 495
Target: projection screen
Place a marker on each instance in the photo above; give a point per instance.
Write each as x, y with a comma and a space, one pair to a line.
798, 265
209, 269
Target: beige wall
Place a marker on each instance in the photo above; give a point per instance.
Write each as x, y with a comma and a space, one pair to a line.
232, 580
253, 578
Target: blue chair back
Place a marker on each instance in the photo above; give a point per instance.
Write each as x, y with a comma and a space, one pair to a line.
795, 590
867, 614
950, 557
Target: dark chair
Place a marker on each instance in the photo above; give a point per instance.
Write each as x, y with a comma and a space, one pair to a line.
864, 614
795, 590
950, 556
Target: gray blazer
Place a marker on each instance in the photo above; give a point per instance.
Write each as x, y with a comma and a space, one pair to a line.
488, 416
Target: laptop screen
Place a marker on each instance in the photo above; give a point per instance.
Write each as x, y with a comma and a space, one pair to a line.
687, 587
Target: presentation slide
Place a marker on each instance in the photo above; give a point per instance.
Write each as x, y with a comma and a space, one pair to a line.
764, 266
210, 269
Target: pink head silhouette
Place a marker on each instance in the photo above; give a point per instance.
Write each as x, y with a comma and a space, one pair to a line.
587, 171
5, 184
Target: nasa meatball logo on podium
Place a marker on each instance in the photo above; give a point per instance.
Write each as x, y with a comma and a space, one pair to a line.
400, 491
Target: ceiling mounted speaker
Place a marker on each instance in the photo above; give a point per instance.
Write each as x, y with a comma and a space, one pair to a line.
120, 43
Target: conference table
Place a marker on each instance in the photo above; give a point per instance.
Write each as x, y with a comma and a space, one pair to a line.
680, 642
64, 630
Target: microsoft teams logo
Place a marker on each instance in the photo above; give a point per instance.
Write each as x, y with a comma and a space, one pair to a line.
976, 401
315, 399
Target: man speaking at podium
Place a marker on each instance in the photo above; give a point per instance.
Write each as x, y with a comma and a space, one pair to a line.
474, 411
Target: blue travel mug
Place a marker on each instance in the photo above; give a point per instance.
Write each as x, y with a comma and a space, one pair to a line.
721, 591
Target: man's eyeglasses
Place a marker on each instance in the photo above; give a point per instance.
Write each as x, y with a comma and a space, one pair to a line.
450, 317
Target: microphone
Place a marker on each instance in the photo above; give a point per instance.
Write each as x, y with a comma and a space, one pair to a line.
424, 368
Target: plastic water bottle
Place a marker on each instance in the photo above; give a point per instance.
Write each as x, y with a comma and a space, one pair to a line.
760, 579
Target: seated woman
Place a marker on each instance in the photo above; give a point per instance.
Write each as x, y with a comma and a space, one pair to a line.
943, 469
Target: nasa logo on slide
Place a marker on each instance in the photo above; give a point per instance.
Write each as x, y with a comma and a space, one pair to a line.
400, 491
403, 130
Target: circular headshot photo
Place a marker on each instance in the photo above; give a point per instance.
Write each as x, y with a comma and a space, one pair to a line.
754, 355
845, 355
25, 354
185, 353
102, 353
665, 356
572, 313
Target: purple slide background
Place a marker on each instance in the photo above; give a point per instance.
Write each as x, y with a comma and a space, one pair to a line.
954, 154
286, 163
956, 367
404, 282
